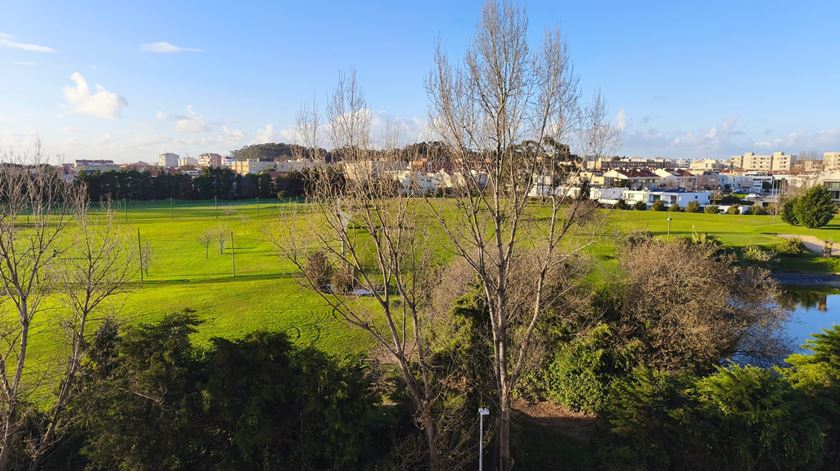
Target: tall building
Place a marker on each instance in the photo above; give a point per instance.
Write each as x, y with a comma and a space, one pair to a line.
831, 161
751, 162
210, 160
187, 162
168, 160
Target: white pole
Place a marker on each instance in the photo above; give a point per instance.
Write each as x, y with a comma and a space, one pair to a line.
482, 411
480, 442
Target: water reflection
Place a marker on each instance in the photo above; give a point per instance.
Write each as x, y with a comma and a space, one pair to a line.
812, 311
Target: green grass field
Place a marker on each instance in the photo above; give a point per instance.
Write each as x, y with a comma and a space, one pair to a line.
265, 293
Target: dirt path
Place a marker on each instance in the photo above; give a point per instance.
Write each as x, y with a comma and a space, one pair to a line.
574, 425
814, 245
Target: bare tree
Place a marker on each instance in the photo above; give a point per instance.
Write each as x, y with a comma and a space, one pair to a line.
36, 194
222, 235
147, 254
205, 239
504, 113
94, 267
373, 231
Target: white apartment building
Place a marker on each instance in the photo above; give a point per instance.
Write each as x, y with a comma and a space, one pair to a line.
168, 160
751, 162
187, 162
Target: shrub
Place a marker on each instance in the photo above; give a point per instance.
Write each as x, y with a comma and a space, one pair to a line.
621, 204
758, 210
344, 279
758, 254
762, 422
582, 370
658, 205
815, 208
733, 210
791, 247
675, 208
693, 207
640, 206
637, 237
711, 209
318, 270
737, 418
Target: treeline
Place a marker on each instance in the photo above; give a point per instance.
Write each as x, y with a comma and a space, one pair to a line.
221, 183
282, 151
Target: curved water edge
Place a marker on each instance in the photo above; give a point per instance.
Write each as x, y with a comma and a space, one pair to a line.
808, 280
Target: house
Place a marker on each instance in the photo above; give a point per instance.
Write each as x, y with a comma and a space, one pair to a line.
631, 178
607, 196
89, 166
677, 178
670, 197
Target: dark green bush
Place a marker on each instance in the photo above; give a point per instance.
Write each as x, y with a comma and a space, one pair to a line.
640, 206
711, 209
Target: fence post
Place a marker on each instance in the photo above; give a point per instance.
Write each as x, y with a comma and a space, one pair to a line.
140, 255
233, 253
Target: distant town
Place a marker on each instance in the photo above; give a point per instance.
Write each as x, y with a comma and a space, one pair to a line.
762, 177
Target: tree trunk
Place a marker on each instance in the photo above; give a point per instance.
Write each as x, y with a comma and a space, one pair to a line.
6, 444
505, 459
431, 442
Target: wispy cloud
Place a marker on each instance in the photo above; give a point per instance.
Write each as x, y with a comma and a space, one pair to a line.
102, 104
25, 63
163, 47
190, 122
8, 41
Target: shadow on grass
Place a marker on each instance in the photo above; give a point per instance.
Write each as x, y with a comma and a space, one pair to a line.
222, 278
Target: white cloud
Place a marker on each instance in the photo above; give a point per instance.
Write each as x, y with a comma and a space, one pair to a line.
621, 120
163, 47
8, 41
265, 134
190, 122
159, 115
25, 63
234, 135
102, 104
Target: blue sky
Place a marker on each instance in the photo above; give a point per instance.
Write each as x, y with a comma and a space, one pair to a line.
682, 79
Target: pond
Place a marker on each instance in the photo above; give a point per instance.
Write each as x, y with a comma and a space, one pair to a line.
813, 310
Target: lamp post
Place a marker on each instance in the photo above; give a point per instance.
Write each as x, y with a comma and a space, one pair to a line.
669, 226
482, 411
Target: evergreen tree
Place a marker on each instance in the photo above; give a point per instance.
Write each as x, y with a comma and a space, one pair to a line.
815, 208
